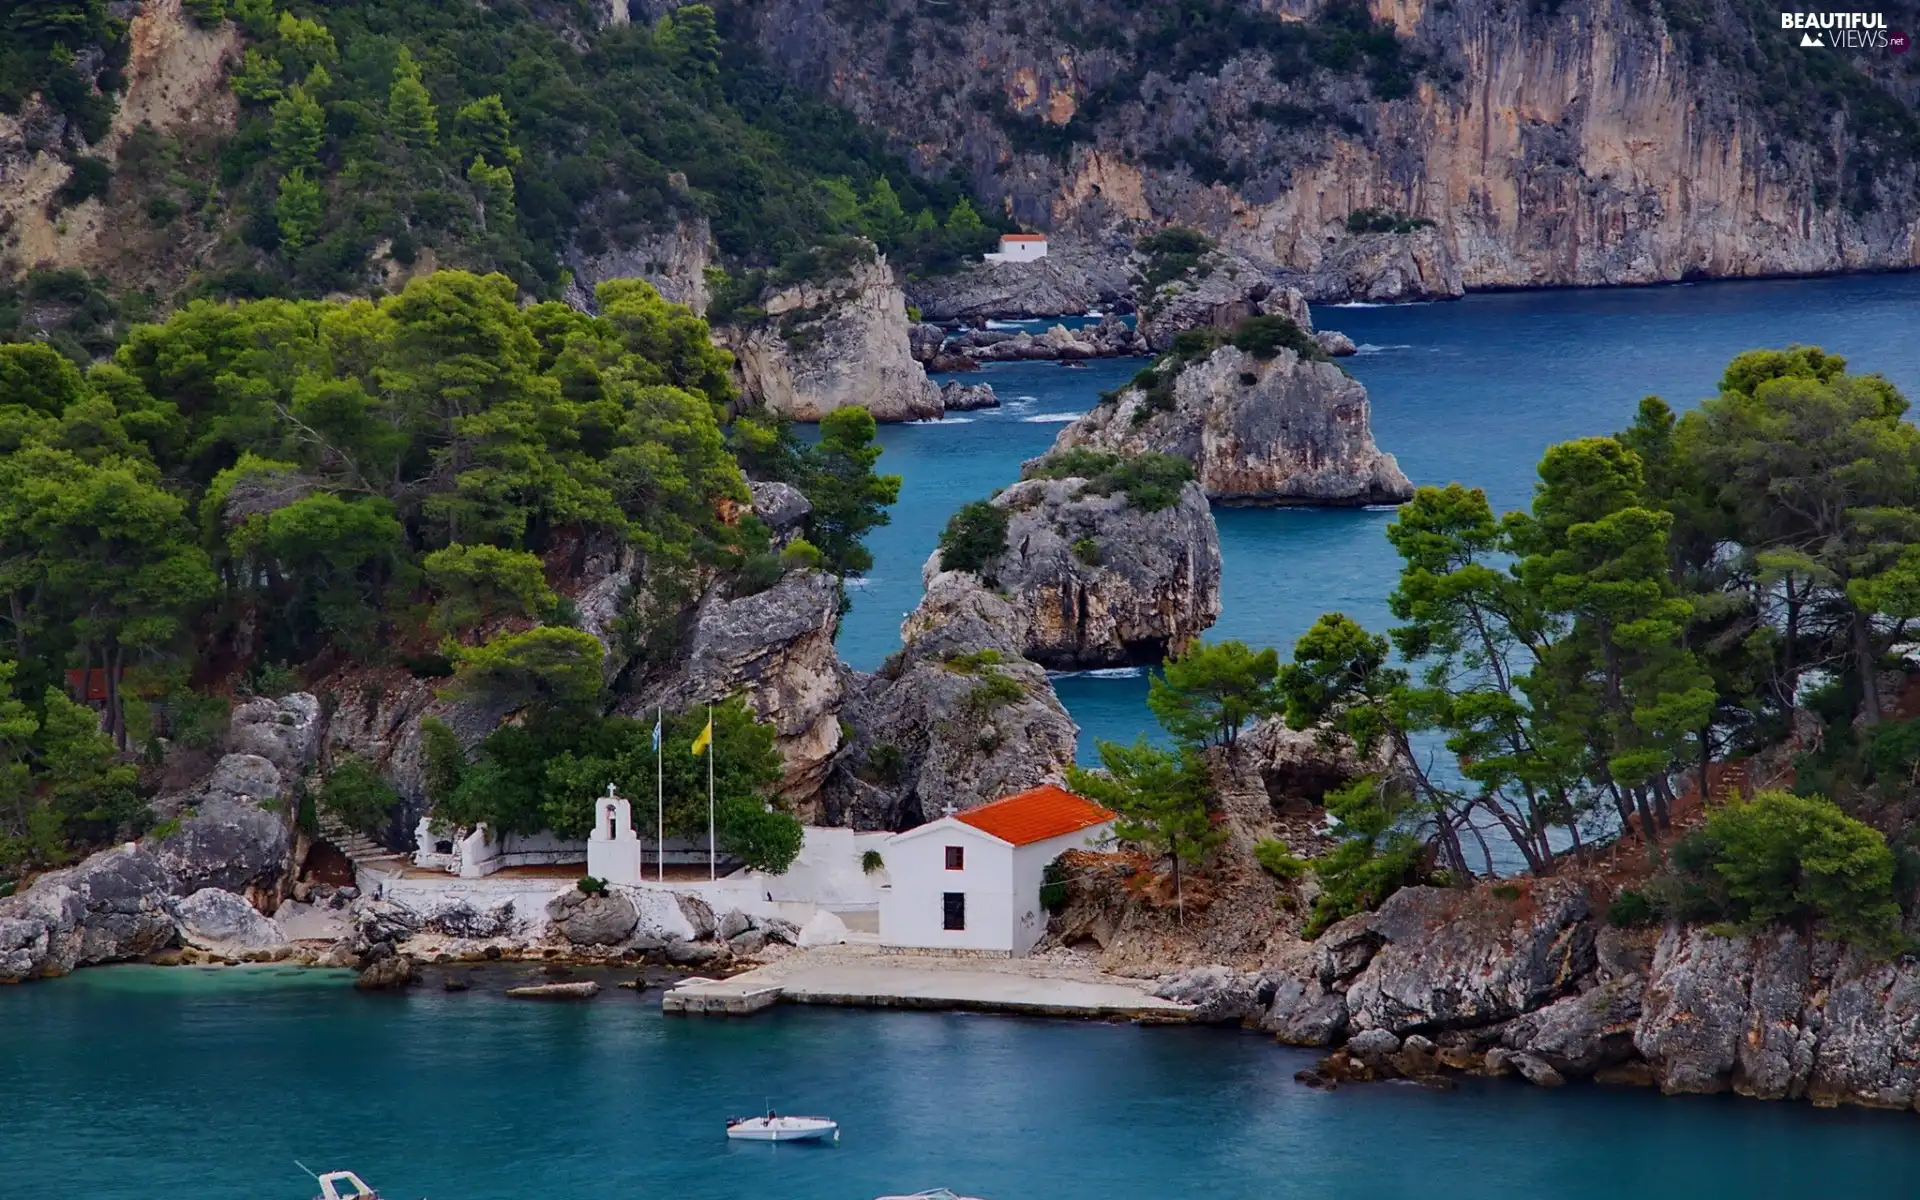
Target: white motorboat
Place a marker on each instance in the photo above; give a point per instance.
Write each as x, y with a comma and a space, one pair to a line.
934, 1194
344, 1185
776, 1128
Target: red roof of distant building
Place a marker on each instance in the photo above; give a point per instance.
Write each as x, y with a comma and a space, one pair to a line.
1036, 815
1023, 237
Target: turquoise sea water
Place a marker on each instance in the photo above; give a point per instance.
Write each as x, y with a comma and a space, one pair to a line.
1472, 390
132, 1083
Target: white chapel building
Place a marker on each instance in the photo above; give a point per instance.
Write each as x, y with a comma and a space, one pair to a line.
971, 881
1019, 247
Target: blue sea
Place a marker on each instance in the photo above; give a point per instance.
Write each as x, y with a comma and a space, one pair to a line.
1473, 390
135, 1083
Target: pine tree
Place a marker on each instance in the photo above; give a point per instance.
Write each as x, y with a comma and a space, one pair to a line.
410, 112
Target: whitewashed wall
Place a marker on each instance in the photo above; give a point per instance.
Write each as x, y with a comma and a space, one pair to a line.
912, 909
1029, 865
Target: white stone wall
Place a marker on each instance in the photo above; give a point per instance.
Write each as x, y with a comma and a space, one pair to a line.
912, 906
1029, 864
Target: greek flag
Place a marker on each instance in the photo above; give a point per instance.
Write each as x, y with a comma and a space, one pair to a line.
656, 734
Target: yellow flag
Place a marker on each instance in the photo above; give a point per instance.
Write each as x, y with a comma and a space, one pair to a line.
705, 739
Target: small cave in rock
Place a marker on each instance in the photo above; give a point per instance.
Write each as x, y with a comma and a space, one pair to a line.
1299, 787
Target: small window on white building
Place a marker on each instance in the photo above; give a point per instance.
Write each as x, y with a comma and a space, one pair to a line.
954, 905
956, 858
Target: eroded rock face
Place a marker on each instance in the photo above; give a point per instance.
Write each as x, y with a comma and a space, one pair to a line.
1224, 291
1279, 432
1101, 582
1583, 1033
285, 732
231, 844
929, 728
674, 259
776, 648
1451, 959
966, 397
223, 923
1219, 995
783, 507
112, 907
1385, 268
832, 344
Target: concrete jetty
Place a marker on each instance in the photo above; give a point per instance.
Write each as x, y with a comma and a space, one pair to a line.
866, 977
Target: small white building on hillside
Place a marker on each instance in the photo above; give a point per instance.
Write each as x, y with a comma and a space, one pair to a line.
971, 881
1020, 247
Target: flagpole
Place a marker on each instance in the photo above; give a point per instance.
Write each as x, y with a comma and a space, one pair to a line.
712, 869
660, 795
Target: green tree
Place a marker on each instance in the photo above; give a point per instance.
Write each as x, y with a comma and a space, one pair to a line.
478, 584
358, 796
299, 210
848, 498
484, 130
963, 219
882, 216
1207, 694
974, 539
548, 666
410, 112
318, 566
1376, 854
20, 808
93, 793
299, 130
306, 42
1159, 796
689, 37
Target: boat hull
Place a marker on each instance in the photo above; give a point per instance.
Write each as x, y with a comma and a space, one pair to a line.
784, 1130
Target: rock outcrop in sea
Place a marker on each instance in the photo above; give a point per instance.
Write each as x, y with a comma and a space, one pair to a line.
1098, 580
1074, 277
1277, 431
957, 716
834, 342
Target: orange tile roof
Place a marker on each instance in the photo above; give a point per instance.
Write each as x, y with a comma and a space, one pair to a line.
1023, 237
1036, 815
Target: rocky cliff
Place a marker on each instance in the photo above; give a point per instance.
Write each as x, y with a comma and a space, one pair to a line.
1277, 431
956, 717
833, 343
1586, 142
1100, 581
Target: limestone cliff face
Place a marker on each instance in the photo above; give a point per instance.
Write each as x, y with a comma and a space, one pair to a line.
1280, 432
175, 76
674, 260
1101, 582
832, 344
1588, 142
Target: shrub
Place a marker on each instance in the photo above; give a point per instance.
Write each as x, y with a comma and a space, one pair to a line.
801, 554
974, 538
887, 762
1053, 886
91, 177
1792, 858
589, 886
1265, 336
1087, 551
1150, 481
871, 862
994, 691
1278, 859
356, 795
1630, 909
974, 661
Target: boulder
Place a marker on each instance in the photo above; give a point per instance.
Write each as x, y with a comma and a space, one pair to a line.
1335, 344
1219, 995
748, 942
966, 397
775, 647
385, 973
931, 728
1101, 581
1581, 1034
593, 920
1304, 1012
112, 907
222, 923
1373, 1045
230, 843
285, 732
696, 954
782, 506
778, 930
660, 915
1536, 1071
1279, 431
832, 343
822, 929
699, 914
731, 924
1453, 959
583, 990
382, 921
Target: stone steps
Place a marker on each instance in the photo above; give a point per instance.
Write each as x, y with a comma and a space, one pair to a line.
358, 847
